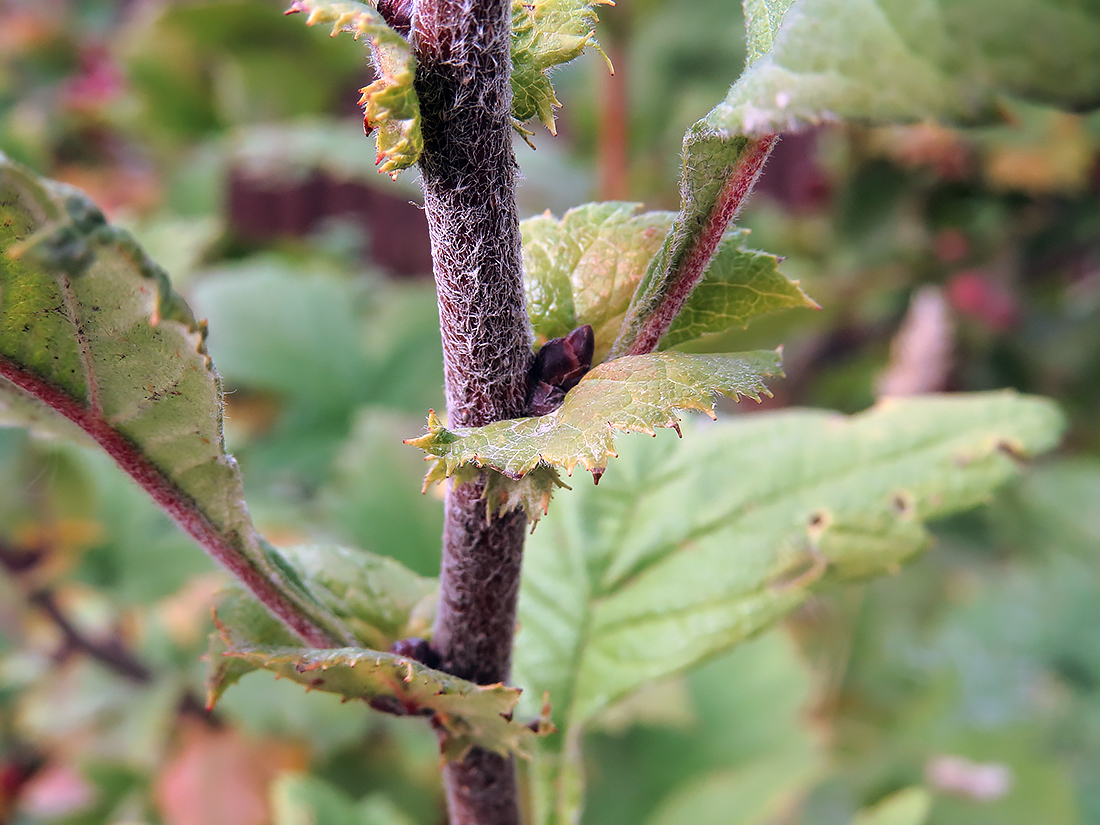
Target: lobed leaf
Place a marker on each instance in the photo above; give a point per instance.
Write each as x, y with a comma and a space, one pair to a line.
390, 104
689, 549
631, 394
584, 268
467, 714
90, 328
545, 34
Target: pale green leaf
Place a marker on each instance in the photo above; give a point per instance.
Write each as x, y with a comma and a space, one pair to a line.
545, 34
584, 268
888, 61
688, 549
89, 320
905, 807
390, 105
632, 394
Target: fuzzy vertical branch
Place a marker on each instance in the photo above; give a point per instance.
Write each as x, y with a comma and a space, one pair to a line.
463, 51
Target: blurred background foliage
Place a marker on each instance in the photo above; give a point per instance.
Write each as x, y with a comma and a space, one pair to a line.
226, 137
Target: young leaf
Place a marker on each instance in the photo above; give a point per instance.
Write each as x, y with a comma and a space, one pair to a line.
545, 34
635, 394
689, 549
584, 268
91, 329
468, 714
390, 105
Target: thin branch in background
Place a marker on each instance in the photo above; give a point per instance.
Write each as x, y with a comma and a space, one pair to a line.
920, 356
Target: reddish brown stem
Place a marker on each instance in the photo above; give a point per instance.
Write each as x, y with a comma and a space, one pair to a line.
172, 500
463, 50
692, 265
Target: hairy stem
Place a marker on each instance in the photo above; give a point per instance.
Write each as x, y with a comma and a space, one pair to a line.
463, 51
650, 315
173, 501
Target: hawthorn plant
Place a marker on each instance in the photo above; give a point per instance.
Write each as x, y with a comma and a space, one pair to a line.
557, 333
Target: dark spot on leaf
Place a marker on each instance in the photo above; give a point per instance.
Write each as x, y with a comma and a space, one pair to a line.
817, 519
388, 704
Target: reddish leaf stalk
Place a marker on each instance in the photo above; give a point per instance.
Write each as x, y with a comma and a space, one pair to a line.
693, 264
463, 51
172, 500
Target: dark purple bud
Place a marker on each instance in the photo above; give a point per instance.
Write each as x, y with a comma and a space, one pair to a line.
416, 649
560, 365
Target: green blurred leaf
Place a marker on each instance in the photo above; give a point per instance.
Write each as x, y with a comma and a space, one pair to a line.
300, 799
390, 518
906, 807
389, 103
545, 34
90, 326
279, 329
753, 795
633, 581
584, 269
632, 394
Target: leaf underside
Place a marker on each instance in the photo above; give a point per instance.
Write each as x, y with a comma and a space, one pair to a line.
89, 321
390, 105
880, 62
690, 548
631, 394
585, 267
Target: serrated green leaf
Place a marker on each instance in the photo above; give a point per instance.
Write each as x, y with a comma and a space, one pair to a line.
688, 549
89, 320
584, 269
631, 394
905, 807
468, 715
390, 105
545, 34
378, 598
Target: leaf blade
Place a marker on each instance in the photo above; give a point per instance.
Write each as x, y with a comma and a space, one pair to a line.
677, 556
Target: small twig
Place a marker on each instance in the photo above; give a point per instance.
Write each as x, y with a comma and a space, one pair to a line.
110, 652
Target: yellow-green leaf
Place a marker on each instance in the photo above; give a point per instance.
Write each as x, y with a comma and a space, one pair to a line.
585, 267
545, 34
390, 105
